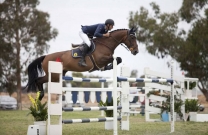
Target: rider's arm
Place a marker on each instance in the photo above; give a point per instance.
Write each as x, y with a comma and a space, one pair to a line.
106, 35
99, 32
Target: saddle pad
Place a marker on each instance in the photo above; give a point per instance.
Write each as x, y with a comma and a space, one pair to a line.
77, 53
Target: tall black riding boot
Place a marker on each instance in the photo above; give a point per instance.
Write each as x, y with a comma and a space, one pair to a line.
82, 61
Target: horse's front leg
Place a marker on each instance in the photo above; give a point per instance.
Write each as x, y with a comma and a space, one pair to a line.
110, 66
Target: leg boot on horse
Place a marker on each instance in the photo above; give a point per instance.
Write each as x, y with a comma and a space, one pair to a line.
110, 66
84, 50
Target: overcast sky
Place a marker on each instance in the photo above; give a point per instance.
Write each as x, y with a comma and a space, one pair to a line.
68, 15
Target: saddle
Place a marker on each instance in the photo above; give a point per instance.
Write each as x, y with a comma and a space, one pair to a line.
77, 50
77, 53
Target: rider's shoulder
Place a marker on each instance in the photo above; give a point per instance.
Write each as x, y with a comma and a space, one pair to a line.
101, 25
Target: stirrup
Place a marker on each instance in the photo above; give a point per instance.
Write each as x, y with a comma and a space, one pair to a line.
82, 63
74, 46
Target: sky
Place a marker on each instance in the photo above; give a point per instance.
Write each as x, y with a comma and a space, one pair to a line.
67, 16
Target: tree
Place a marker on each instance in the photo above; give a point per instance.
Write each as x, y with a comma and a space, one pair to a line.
6, 68
25, 31
162, 37
190, 9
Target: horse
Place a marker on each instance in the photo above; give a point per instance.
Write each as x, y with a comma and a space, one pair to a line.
99, 58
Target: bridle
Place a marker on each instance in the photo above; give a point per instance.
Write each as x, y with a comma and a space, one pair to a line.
130, 48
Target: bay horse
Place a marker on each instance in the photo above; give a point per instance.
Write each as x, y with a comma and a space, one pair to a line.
102, 55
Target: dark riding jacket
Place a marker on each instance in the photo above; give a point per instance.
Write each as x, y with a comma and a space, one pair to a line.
96, 30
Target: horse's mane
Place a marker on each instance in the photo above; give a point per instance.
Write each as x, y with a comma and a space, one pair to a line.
117, 30
110, 32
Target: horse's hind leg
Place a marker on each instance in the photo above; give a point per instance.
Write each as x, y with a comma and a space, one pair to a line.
39, 82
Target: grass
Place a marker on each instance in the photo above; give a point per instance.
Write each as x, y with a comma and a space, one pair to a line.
16, 123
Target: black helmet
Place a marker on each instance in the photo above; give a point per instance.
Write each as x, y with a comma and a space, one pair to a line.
109, 21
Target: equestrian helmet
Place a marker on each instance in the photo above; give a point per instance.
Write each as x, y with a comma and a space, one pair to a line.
109, 21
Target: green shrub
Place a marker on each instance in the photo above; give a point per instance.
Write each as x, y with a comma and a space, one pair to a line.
191, 85
108, 113
38, 110
191, 105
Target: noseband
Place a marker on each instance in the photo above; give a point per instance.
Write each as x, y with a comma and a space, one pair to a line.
131, 45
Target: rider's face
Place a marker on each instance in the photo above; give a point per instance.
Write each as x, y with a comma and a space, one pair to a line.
110, 27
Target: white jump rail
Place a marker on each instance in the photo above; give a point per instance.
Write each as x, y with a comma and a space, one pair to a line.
56, 108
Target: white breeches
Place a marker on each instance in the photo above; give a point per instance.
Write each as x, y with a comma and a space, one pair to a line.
85, 38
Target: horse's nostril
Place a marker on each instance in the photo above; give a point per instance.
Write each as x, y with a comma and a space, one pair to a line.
134, 52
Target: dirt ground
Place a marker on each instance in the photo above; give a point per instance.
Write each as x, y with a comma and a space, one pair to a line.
202, 100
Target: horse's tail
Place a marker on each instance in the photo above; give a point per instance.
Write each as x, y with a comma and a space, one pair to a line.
34, 69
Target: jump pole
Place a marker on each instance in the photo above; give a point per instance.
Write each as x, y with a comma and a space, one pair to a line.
172, 101
115, 126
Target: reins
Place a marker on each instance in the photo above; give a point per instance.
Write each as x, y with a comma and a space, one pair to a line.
105, 45
118, 42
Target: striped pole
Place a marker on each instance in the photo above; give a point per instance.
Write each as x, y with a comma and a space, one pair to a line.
172, 102
119, 79
75, 79
102, 86
70, 109
124, 79
88, 120
115, 126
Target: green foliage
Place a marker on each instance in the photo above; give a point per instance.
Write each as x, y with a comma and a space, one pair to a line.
7, 63
40, 114
108, 113
162, 37
38, 110
177, 105
153, 92
158, 33
191, 105
190, 9
191, 85
24, 35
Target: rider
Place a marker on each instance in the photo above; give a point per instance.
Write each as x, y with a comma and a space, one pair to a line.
97, 30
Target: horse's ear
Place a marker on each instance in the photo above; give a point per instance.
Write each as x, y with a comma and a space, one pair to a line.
135, 29
132, 29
